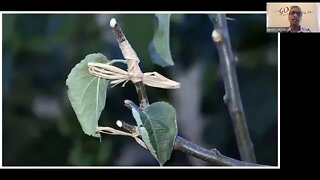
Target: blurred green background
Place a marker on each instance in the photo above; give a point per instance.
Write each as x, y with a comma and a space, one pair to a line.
41, 128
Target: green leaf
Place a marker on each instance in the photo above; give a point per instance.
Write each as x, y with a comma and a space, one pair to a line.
87, 93
159, 48
158, 128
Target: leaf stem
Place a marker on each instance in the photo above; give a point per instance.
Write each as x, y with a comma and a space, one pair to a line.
117, 60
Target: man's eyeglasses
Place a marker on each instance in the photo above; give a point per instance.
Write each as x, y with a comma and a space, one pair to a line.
295, 12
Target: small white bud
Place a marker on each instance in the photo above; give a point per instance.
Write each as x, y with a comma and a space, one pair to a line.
119, 123
113, 22
217, 37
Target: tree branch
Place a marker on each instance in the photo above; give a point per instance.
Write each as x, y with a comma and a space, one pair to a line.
232, 97
212, 156
180, 144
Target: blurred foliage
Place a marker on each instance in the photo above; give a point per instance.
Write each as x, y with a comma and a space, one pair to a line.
159, 47
40, 50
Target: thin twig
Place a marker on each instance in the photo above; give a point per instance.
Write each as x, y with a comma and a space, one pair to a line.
133, 130
128, 53
132, 60
232, 97
142, 94
111, 131
152, 79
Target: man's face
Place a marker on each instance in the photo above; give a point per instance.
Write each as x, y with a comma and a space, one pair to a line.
295, 16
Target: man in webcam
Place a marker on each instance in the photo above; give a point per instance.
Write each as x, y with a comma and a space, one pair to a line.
295, 17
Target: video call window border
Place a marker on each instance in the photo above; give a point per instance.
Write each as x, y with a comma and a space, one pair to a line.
285, 11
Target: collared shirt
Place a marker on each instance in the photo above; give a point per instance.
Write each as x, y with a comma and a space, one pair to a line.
301, 30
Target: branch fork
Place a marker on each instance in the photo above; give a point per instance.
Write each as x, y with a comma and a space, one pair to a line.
154, 79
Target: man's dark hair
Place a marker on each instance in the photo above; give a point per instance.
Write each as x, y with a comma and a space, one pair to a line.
295, 7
